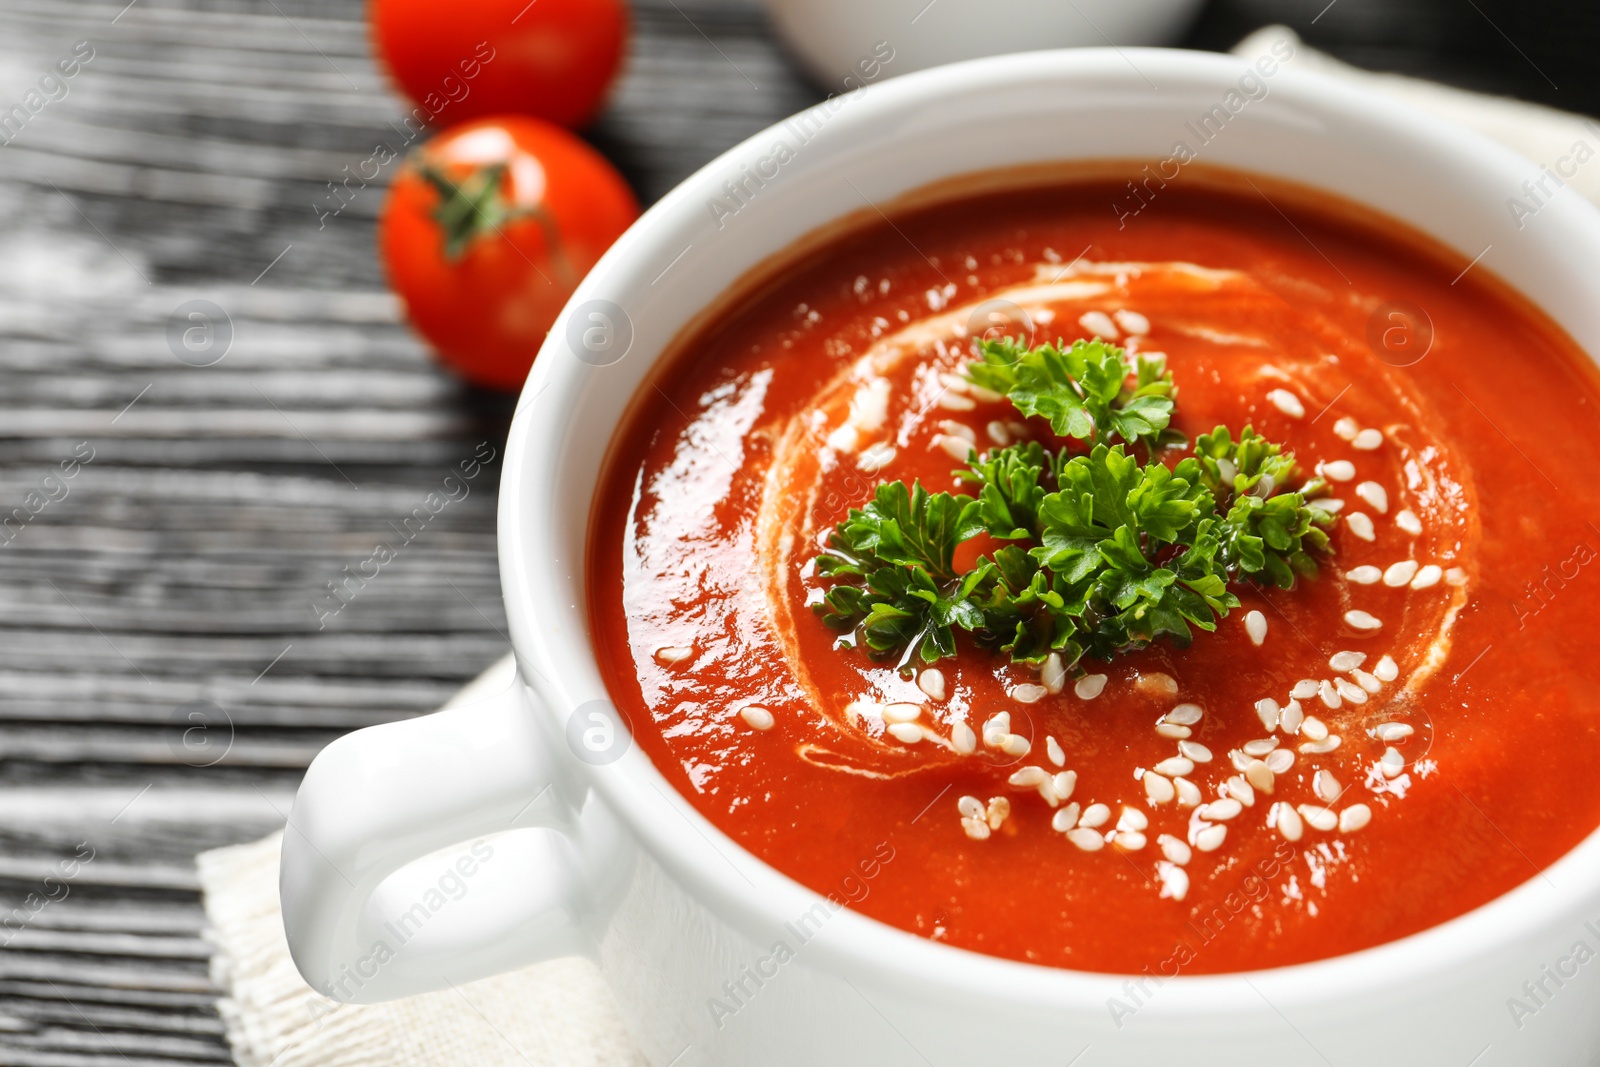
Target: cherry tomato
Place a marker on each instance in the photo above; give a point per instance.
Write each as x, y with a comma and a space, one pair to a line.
463, 61
488, 229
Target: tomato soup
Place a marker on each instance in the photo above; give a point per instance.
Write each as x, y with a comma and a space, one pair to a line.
1381, 747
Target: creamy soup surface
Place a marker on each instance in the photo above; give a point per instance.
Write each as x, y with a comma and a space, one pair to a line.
1380, 748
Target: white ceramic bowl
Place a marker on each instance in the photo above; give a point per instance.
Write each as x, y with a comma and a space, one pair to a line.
615, 864
844, 43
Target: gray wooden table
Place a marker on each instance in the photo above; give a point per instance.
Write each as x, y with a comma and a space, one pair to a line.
163, 679
166, 528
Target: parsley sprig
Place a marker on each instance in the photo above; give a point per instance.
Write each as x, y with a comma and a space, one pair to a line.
1095, 552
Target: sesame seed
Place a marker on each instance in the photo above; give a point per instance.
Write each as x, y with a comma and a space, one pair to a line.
910, 733
1065, 818
1053, 674
1347, 660
1172, 730
1255, 624
1259, 776
998, 433
1375, 496
1456, 576
1016, 745
1185, 714
1361, 620
1188, 792
1134, 323
673, 654
1293, 718
958, 429
1089, 686
1028, 777
1354, 818
1329, 693
1028, 693
1386, 670
1157, 684
1392, 731
931, 682
1194, 750
1367, 440
1287, 403
971, 807
1318, 817
1400, 573
1094, 816
758, 717
1132, 819
901, 712
988, 396
1210, 839
1159, 788
1392, 763
1052, 748
1407, 520
1174, 881
1175, 849
875, 457
1279, 760
1240, 790
976, 829
1260, 746
1267, 711
1326, 745
964, 740
1331, 504
957, 448
1364, 575
1098, 322
1347, 428
1350, 691
1065, 784
1221, 810
1326, 786
1366, 681
999, 809
1427, 577
1086, 839
1304, 689
1287, 821
1173, 766
1239, 759
950, 400
844, 439
1360, 524
1340, 470
955, 383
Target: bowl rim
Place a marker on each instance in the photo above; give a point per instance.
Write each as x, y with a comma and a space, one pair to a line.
741, 889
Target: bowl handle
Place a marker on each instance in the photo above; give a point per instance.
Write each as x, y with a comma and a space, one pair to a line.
386, 799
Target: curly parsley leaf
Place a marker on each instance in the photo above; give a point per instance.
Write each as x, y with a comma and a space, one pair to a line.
1103, 554
1265, 533
1013, 482
1088, 390
910, 527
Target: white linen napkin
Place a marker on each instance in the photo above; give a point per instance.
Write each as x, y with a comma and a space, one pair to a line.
561, 1014
555, 1014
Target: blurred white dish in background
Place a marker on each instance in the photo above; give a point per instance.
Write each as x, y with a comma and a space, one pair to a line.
848, 43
